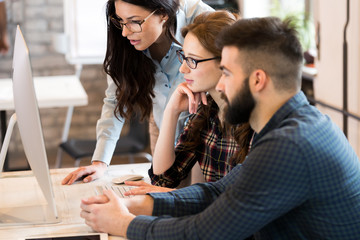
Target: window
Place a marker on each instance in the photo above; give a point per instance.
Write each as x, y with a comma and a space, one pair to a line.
264, 8
300, 10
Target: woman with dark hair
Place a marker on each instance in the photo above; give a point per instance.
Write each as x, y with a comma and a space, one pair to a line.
206, 139
142, 68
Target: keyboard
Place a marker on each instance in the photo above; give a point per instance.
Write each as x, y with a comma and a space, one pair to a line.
118, 189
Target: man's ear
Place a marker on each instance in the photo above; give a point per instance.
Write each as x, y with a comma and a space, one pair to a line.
258, 80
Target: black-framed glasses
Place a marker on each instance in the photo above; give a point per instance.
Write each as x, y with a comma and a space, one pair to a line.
133, 26
192, 63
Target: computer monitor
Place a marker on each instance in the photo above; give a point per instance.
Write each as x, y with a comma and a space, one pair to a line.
28, 120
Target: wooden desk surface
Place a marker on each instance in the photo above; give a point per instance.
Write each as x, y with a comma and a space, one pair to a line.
68, 197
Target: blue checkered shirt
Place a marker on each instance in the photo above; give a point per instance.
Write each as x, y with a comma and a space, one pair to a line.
301, 180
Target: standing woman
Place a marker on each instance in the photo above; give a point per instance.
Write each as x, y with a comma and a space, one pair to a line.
206, 139
142, 68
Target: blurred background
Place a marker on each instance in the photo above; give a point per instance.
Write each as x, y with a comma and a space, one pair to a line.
67, 37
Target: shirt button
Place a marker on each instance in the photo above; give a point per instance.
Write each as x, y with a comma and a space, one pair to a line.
166, 85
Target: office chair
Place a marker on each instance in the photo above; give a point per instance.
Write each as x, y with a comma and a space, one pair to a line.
131, 144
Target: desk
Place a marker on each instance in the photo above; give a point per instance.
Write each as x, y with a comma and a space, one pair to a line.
67, 199
53, 91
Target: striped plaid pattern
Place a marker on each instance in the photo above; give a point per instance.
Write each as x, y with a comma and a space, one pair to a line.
301, 180
214, 154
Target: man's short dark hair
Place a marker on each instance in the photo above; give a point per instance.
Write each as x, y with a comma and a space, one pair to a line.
268, 44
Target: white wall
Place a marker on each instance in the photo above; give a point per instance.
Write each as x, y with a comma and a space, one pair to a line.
331, 15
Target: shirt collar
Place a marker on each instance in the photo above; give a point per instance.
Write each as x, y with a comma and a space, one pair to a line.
292, 104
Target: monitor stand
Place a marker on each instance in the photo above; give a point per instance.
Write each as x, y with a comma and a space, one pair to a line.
28, 215
22, 200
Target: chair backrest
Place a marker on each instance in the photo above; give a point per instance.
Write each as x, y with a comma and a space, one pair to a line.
135, 138
139, 130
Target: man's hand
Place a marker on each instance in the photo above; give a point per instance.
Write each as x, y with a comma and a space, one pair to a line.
92, 172
144, 188
106, 213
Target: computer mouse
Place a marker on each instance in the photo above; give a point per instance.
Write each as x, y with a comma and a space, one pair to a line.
128, 177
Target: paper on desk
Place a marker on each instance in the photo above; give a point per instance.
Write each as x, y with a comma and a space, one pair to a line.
67, 198
70, 196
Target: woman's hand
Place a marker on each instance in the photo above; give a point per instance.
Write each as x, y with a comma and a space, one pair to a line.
92, 172
184, 99
144, 188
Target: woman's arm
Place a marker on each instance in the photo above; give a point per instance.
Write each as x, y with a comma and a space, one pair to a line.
164, 154
108, 127
181, 100
108, 131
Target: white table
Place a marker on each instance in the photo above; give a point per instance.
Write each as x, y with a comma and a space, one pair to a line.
67, 198
51, 91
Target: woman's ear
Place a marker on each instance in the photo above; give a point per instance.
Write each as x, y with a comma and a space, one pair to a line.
164, 18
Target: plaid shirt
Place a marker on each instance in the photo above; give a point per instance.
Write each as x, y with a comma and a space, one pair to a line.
301, 180
214, 154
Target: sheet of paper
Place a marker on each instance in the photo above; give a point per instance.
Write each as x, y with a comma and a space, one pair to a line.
21, 189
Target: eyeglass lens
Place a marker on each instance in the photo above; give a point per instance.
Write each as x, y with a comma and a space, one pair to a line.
132, 26
189, 61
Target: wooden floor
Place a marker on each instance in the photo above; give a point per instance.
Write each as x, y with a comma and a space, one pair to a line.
17, 161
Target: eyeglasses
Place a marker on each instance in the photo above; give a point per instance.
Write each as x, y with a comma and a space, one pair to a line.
133, 26
192, 63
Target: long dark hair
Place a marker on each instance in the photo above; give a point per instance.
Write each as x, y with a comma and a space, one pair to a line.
206, 27
131, 71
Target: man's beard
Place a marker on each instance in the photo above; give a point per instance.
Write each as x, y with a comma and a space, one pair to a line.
241, 107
